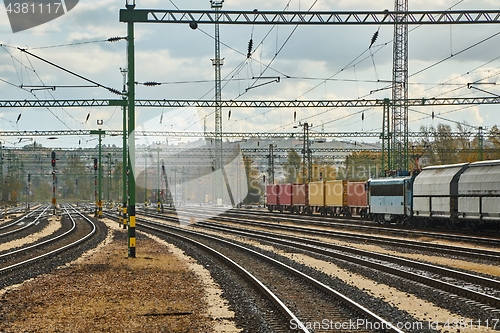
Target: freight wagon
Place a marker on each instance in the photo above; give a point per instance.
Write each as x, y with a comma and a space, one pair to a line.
456, 195
334, 198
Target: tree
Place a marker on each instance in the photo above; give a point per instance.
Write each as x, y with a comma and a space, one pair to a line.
323, 171
255, 189
361, 165
292, 167
441, 147
494, 138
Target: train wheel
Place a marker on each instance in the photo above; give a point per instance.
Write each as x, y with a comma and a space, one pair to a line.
474, 226
406, 221
451, 225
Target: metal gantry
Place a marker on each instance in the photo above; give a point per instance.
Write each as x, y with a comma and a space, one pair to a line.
164, 103
229, 135
258, 17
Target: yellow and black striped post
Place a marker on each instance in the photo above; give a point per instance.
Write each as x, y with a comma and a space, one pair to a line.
124, 215
131, 133
131, 232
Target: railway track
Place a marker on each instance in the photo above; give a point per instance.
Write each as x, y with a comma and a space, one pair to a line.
476, 291
323, 229
19, 264
365, 227
23, 223
306, 303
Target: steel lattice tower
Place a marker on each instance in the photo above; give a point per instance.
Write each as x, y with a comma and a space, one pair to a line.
217, 62
400, 89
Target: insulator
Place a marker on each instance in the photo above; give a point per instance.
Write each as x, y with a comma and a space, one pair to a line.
18, 117
114, 91
115, 39
363, 116
151, 83
88, 116
161, 118
294, 115
432, 115
229, 115
250, 46
374, 38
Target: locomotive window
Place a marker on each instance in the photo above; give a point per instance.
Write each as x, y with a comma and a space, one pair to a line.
386, 190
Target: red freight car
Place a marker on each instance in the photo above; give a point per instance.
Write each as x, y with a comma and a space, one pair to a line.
272, 197
357, 200
299, 198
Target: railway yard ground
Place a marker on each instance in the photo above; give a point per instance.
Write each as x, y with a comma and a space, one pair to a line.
104, 291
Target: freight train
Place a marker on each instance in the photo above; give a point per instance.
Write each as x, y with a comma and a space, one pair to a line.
456, 195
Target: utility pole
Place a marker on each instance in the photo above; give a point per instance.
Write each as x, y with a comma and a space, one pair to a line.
28, 192
145, 181
96, 214
109, 178
1, 179
100, 133
217, 62
131, 128
306, 153
53, 162
400, 88
271, 164
158, 191
124, 151
480, 144
385, 136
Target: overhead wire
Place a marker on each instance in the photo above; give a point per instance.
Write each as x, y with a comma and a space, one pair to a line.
43, 86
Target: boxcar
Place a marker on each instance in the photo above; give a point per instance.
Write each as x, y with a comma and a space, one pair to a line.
285, 195
479, 194
357, 198
435, 192
390, 199
335, 197
272, 197
299, 198
316, 195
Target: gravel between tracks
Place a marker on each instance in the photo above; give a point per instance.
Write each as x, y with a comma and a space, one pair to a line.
104, 291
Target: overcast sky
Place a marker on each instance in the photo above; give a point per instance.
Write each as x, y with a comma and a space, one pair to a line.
312, 62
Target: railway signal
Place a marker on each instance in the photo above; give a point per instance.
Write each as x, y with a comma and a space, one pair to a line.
54, 202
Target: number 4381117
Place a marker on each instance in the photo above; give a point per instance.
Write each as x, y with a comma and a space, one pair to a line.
32, 8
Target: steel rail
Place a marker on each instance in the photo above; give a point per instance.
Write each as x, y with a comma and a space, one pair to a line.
58, 250
450, 249
346, 300
48, 241
325, 221
325, 249
250, 277
20, 220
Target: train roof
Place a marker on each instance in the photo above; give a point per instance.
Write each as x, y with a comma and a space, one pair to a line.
485, 163
392, 180
445, 166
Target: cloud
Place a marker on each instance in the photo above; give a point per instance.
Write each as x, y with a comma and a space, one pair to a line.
179, 57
